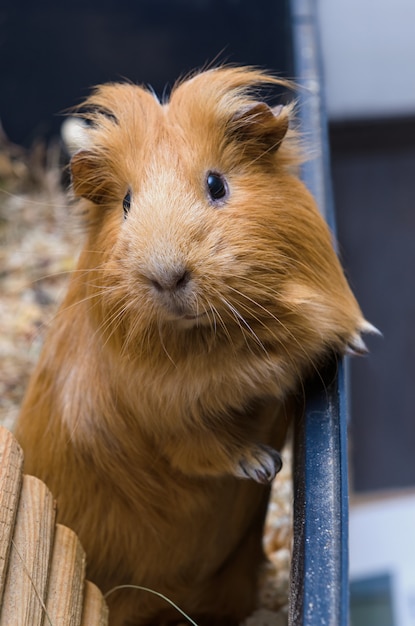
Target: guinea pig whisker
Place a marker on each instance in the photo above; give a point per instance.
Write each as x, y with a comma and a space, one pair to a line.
278, 341
310, 360
268, 290
109, 326
212, 317
133, 326
41, 202
292, 362
264, 309
44, 277
272, 316
72, 272
218, 317
163, 345
71, 306
258, 305
243, 325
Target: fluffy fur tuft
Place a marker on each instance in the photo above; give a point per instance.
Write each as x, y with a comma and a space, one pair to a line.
206, 291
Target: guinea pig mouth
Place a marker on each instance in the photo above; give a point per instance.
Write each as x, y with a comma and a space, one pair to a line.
180, 308
194, 317
186, 319
173, 306
193, 320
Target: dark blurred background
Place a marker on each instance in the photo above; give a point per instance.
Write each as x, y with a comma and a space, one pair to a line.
52, 52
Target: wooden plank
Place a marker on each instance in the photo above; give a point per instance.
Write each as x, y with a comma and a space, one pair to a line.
26, 581
66, 579
11, 464
42, 566
95, 611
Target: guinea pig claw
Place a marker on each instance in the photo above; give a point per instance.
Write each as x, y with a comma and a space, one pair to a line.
368, 328
356, 347
261, 464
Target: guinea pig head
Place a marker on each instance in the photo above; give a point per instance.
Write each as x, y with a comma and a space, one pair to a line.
198, 226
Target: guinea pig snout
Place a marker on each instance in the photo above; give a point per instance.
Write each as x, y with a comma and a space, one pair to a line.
173, 288
172, 279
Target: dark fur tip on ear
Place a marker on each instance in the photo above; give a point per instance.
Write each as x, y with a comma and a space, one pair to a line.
260, 124
85, 177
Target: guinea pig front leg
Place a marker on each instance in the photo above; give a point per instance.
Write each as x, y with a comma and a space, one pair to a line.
217, 453
209, 457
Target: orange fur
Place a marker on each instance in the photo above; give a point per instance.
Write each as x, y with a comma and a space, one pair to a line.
185, 333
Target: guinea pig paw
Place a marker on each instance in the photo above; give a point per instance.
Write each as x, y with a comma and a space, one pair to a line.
260, 463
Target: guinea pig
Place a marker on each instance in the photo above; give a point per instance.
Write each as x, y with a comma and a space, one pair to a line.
206, 291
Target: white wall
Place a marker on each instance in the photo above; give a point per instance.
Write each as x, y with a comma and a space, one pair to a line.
382, 541
369, 57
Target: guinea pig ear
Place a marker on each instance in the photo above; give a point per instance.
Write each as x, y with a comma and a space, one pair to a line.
88, 180
260, 126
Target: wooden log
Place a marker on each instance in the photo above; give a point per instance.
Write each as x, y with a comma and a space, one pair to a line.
66, 579
95, 610
27, 575
11, 465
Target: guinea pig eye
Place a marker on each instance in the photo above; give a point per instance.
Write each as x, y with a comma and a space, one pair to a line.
126, 203
216, 186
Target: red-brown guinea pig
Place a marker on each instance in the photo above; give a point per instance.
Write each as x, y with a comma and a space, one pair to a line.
207, 289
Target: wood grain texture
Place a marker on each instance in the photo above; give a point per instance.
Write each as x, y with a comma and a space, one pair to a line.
11, 464
66, 579
95, 608
27, 576
42, 564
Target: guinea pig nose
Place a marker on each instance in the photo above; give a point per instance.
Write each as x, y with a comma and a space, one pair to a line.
173, 280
